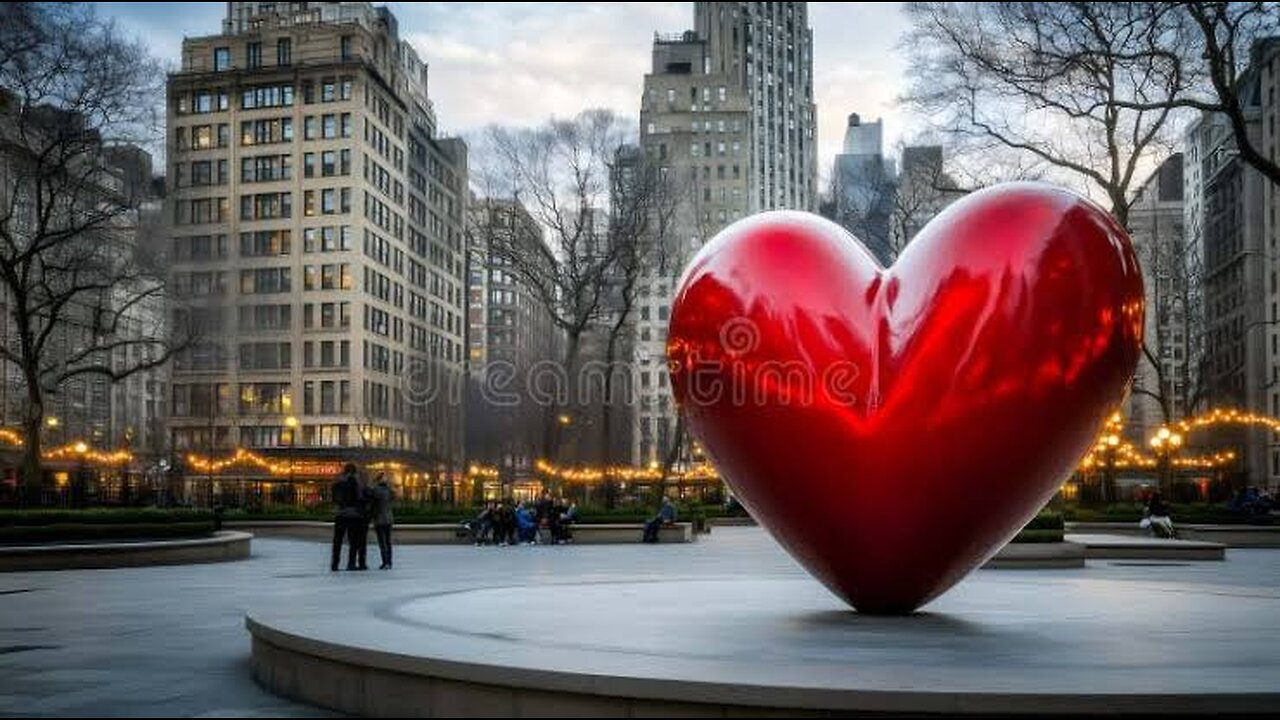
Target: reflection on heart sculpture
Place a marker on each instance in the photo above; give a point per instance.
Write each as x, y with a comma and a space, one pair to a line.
894, 428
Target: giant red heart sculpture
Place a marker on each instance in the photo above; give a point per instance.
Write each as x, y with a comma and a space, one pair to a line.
894, 428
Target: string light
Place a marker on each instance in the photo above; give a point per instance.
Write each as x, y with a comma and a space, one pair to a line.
1228, 416
11, 437
1169, 439
81, 451
246, 457
485, 472
652, 473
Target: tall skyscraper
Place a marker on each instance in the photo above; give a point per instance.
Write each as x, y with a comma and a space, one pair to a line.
863, 188
728, 116
318, 244
766, 49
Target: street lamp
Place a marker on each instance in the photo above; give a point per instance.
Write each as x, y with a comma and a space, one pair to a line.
1165, 443
53, 423
82, 449
291, 422
1109, 487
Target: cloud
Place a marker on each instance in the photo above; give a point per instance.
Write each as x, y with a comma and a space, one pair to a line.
521, 63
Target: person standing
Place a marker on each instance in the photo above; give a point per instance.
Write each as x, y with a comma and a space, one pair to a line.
382, 518
544, 515
361, 532
346, 501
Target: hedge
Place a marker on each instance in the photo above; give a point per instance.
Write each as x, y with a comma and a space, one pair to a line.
101, 532
1038, 536
102, 516
1205, 513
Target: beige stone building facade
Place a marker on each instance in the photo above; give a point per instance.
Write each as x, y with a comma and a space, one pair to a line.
317, 242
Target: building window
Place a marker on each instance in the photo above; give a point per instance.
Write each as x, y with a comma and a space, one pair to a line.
284, 51
221, 59
345, 47
253, 54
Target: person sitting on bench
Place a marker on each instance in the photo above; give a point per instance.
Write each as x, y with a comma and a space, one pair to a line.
666, 516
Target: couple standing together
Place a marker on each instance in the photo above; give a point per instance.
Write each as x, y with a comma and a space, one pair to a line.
357, 505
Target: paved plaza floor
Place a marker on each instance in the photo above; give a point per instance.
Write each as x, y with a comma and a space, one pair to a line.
171, 640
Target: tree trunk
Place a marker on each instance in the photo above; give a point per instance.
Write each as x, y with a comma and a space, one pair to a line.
606, 423
32, 474
554, 436
673, 452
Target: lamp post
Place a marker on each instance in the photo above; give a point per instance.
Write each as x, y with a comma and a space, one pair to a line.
82, 449
1109, 480
291, 422
1165, 443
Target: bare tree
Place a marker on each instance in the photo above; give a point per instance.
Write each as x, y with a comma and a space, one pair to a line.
1227, 33
1081, 87
561, 171
1090, 90
1209, 49
69, 82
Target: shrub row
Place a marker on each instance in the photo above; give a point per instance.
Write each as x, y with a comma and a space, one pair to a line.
1038, 536
102, 516
1132, 512
101, 532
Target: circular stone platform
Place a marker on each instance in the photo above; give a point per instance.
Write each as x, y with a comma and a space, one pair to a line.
222, 546
997, 643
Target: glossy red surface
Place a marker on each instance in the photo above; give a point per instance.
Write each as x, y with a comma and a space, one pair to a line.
894, 428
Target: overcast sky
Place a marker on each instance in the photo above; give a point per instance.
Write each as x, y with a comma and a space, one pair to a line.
524, 62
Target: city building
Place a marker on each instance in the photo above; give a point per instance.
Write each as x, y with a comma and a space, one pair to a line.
766, 50
1198, 140
317, 244
1156, 218
863, 187
1234, 215
1263, 82
89, 295
923, 190
509, 334
727, 114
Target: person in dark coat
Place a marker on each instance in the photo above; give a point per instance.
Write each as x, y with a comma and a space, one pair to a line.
1157, 517
346, 501
666, 516
505, 525
482, 525
545, 514
361, 531
382, 518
